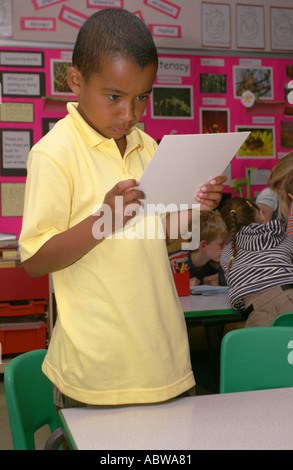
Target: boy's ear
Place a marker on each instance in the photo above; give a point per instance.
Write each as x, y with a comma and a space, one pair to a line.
202, 245
74, 79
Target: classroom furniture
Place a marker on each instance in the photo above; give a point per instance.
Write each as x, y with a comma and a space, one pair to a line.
23, 312
29, 396
256, 358
213, 309
284, 320
247, 420
216, 306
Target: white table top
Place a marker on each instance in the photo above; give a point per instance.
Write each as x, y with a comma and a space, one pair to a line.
205, 303
246, 420
207, 306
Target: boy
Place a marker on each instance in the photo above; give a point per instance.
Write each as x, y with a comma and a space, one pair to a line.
203, 262
120, 336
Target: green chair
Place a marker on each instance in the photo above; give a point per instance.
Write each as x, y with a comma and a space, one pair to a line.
284, 320
256, 359
29, 396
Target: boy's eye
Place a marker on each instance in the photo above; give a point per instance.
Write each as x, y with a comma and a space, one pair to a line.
142, 97
113, 97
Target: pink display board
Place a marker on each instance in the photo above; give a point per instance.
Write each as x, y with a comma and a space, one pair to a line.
192, 94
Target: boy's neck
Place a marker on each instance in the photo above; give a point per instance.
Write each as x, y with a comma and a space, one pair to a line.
199, 258
121, 144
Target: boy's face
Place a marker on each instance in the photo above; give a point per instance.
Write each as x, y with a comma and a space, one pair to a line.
114, 99
215, 248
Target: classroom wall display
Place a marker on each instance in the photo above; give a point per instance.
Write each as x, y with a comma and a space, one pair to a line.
15, 145
192, 94
193, 24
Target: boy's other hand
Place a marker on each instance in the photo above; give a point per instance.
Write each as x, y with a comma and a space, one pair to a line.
210, 194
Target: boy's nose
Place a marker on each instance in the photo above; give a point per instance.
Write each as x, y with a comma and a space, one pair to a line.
128, 112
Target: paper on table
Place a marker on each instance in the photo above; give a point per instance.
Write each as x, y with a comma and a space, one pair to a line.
183, 163
208, 290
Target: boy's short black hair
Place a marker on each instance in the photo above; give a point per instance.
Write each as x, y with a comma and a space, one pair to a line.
109, 33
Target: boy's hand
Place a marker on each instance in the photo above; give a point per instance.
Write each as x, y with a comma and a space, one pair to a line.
194, 281
210, 194
123, 200
212, 280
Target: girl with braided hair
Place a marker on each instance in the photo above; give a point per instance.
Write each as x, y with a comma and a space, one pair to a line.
257, 262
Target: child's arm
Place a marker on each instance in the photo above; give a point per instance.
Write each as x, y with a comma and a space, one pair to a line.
208, 197
67, 247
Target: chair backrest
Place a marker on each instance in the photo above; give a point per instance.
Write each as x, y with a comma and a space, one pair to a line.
29, 396
256, 359
284, 320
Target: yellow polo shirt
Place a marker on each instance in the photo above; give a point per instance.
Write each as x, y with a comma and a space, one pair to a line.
120, 336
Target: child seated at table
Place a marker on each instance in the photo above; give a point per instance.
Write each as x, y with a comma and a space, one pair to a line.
203, 262
258, 263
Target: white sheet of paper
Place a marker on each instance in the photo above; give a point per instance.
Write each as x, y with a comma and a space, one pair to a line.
182, 164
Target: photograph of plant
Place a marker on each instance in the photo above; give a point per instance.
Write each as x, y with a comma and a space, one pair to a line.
286, 129
213, 83
214, 120
172, 102
258, 80
59, 69
289, 70
259, 144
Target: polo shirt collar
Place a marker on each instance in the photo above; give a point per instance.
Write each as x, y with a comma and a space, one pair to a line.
93, 138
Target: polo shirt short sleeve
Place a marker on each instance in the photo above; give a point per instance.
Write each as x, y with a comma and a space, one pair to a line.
120, 336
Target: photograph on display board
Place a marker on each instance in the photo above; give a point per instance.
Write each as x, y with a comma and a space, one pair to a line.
289, 70
288, 111
259, 144
257, 80
59, 85
286, 131
214, 120
213, 83
288, 88
172, 102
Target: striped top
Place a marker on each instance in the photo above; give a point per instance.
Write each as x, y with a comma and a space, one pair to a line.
264, 260
290, 221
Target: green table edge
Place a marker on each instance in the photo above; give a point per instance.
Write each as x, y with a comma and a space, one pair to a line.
209, 313
68, 436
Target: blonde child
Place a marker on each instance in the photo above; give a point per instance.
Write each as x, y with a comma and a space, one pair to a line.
281, 182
